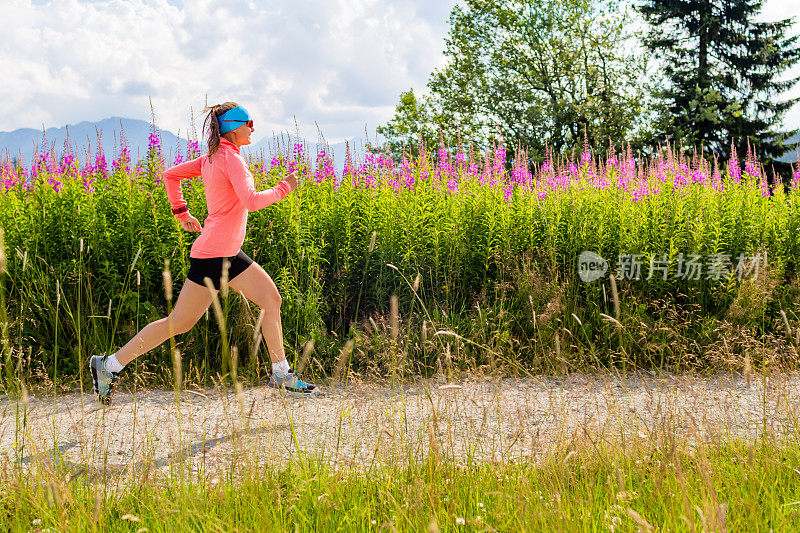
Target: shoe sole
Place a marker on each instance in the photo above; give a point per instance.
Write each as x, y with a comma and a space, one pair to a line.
294, 393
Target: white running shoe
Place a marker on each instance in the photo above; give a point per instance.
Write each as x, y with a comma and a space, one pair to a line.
292, 383
104, 381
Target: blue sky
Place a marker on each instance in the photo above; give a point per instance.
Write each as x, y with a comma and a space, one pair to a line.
336, 64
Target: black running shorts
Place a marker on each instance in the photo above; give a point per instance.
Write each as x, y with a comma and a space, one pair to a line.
212, 268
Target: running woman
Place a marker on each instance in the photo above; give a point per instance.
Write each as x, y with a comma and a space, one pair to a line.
230, 194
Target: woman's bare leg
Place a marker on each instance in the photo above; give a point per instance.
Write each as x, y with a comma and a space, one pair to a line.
258, 287
192, 302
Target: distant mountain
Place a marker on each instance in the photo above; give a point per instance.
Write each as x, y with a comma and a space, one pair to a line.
82, 139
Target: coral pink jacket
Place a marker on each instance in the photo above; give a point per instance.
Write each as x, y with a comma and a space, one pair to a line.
230, 194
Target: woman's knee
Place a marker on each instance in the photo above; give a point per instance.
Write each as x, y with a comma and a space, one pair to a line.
272, 300
181, 323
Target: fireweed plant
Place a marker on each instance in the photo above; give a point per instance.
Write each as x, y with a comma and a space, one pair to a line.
481, 251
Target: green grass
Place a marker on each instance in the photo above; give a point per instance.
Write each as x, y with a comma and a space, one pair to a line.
732, 487
499, 275
85, 273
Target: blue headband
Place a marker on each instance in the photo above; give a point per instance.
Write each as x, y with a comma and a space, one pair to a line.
232, 119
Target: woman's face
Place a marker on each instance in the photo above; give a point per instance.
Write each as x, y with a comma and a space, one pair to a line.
241, 135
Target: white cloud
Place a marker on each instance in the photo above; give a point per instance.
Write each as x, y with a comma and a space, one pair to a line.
340, 63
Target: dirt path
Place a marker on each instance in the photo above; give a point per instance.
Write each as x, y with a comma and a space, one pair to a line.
479, 420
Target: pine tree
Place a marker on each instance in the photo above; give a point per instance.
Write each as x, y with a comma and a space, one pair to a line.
723, 73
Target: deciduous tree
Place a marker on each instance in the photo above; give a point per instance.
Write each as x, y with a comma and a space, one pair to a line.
538, 73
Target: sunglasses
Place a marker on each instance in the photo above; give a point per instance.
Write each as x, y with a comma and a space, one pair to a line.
248, 122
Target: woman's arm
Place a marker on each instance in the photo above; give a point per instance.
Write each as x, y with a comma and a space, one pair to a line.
243, 184
172, 182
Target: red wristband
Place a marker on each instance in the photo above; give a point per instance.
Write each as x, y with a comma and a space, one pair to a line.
179, 210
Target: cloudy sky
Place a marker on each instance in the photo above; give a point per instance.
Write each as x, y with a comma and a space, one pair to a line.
338, 64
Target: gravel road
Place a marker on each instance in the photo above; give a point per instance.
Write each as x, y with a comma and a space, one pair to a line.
360, 424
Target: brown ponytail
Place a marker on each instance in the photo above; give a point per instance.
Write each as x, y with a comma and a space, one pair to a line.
211, 124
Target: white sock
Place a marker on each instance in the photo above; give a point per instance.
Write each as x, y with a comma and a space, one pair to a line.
112, 365
281, 368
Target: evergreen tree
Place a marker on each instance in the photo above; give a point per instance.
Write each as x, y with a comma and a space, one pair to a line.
723, 73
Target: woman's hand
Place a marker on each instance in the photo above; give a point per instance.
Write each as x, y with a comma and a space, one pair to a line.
291, 179
190, 224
